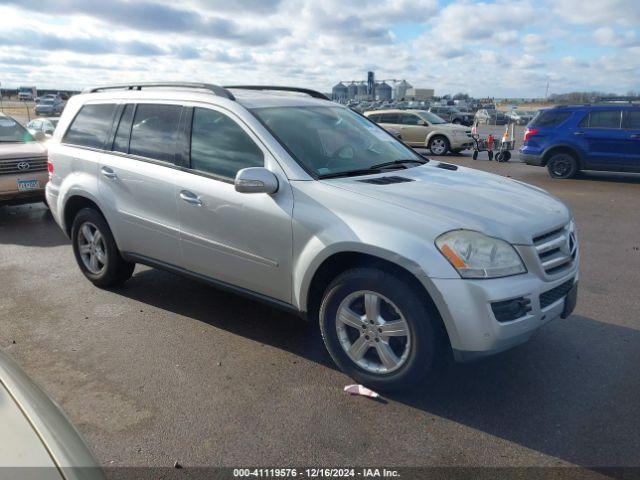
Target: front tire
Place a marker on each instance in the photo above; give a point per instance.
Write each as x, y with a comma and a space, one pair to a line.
563, 165
378, 330
439, 145
96, 251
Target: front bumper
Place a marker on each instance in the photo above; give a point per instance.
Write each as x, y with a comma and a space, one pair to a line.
473, 329
11, 195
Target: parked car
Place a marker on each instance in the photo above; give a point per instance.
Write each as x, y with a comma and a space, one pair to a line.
569, 139
38, 441
306, 205
521, 117
421, 128
23, 164
452, 115
491, 117
49, 106
42, 128
27, 93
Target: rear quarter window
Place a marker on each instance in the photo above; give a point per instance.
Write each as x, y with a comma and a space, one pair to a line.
91, 126
549, 118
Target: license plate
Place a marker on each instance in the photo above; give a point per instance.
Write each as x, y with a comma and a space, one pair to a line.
24, 185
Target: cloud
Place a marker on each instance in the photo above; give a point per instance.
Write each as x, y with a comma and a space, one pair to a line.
609, 37
622, 12
157, 17
87, 45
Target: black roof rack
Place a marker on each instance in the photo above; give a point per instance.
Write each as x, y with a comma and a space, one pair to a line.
311, 93
217, 90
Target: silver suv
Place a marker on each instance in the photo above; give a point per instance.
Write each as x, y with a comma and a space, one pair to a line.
282, 195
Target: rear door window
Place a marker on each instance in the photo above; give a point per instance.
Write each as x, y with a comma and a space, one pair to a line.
91, 126
389, 118
605, 119
549, 118
375, 117
631, 120
121, 142
154, 131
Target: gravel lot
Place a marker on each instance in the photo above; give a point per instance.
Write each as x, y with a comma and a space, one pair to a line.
168, 369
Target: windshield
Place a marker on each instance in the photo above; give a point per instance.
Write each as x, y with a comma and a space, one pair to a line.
47, 101
431, 117
12, 131
333, 140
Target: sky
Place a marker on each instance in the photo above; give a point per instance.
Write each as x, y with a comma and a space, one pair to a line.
484, 48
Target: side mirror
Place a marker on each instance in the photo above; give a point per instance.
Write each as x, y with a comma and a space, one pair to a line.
424, 123
256, 180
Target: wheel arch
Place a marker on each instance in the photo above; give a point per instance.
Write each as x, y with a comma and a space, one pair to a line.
546, 155
73, 205
437, 133
339, 262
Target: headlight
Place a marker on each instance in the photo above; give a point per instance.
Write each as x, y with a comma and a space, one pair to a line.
476, 255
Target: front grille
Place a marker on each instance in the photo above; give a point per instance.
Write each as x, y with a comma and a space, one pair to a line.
23, 165
555, 294
557, 249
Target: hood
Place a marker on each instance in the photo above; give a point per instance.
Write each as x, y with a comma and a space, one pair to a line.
21, 150
467, 198
450, 127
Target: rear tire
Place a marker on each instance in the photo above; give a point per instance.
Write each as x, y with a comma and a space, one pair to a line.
96, 251
406, 357
563, 165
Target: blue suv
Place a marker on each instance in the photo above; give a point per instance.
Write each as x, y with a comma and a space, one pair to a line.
571, 138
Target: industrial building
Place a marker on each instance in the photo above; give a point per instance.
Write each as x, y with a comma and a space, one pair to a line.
381, 90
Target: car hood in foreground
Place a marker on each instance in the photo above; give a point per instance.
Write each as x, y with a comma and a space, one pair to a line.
21, 150
467, 198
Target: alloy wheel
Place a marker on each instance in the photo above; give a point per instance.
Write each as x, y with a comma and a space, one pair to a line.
92, 248
373, 332
438, 146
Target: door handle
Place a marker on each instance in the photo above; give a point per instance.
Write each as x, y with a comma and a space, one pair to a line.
578, 133
191, 198
107, 172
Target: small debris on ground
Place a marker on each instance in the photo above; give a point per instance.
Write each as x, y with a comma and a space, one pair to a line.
177, 465
360, 390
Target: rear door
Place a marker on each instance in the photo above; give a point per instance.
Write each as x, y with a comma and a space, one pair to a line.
631, 130
604, 138
241, 239
136, 180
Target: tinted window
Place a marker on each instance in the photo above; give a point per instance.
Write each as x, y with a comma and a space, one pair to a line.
219, 146
389, 118
91, 126
604, 119
154, 131
374, 118
632, 119
406, 119
549, 118
121, 142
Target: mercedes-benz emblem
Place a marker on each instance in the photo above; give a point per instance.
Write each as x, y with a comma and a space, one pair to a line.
24, 166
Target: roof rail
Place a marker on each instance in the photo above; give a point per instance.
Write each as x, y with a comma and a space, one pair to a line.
217, 90
275, 88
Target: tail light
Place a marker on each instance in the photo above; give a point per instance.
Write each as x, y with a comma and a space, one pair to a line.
529, 132
49, 166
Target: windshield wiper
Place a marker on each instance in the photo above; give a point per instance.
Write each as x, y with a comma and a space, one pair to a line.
351, 173
399, 162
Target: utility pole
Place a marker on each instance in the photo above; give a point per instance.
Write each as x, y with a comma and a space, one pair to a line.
546, 93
